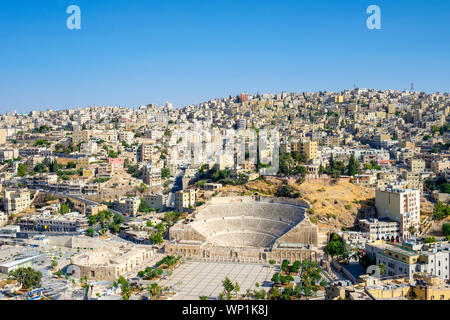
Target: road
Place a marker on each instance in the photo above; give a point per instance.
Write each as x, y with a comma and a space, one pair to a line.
176, 186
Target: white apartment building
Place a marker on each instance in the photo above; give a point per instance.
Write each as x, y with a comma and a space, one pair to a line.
401, 205
380, 229
89, 148
405, 259
152, 175
9, 154
15, 201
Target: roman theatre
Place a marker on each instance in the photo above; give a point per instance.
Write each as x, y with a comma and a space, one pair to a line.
246, 229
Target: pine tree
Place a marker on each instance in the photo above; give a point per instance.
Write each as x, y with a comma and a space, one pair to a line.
353, 166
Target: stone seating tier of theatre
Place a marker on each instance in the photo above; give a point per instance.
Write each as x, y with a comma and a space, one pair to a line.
247, 224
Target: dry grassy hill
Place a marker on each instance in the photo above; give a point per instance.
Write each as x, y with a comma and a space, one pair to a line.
335, 205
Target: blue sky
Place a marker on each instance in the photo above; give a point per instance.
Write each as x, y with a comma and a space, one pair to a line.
133, 52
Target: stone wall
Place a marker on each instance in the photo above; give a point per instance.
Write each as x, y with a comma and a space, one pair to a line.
305, 233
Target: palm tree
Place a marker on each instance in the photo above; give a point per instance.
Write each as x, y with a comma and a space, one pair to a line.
154, 290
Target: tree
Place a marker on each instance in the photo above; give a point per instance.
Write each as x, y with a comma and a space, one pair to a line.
90, 232
27, 277
203, 298
154, 290
160, 226
156, 238
430, 240
118, 219
165, 173
125, 288
336, 246
284, 265
353, 166
64, 208
446, 229
441, 210
276, 278
22, 169
287, 191
331, 163
366, 260
445, 187
112, 154
321, 169
70, 165
295, 267
382, 268
40, 167
298, 289
92, 219
275, 293
143, 207
227, 285
236, 289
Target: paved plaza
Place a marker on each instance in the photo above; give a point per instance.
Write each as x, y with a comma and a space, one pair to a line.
195, 278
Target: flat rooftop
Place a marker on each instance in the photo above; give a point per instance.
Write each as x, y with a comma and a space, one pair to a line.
193, 279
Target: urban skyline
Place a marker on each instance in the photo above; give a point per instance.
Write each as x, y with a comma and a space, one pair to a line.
186, 52
216, 98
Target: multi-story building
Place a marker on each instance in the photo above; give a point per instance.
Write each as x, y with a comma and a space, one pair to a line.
154, 134
439, 167
184, 200
401, 205
413, 180
152, 175
380, 229
406, 259
144, 152
9, 154
116, 163
15, 201
80, 136
129, 206
155, 201
127, 136
379, 138
309, 148
3, 134
241, 124
416, 165
69, 223
89, 148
